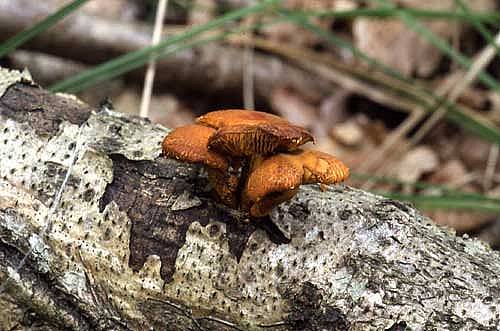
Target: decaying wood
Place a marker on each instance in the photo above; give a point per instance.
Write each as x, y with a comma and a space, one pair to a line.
137, 241
211, 68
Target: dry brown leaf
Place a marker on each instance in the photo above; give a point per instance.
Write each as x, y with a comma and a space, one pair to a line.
202, 11
167, 110
474, 152
415, 163
116, 9
399, 47
479, 5
491, 234
163, 109
460, 221
494, 192
332, 110
295, 109
348, 133
451, 172
391, 42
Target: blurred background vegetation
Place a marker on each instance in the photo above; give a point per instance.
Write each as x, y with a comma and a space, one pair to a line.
406, 92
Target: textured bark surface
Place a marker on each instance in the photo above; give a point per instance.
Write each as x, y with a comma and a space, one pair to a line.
138, 242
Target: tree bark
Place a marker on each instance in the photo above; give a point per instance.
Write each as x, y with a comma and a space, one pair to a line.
137, 242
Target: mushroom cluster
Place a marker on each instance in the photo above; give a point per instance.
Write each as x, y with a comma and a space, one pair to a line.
253, 159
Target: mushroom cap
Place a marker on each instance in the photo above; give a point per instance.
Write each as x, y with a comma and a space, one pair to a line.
190, 144
246, 133
273, 181
220, 118
278, 178
322, 168
264, 139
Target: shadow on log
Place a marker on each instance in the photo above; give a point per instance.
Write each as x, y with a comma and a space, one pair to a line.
136, 241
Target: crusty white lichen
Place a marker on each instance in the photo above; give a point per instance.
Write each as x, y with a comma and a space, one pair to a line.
10, 77
89, 241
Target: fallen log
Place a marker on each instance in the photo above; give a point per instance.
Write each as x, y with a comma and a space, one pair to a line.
99, 232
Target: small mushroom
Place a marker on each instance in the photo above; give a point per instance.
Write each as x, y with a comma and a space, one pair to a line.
190, 144
238, 148
245, 133
278, 178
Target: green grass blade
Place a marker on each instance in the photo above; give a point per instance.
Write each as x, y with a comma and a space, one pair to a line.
484, 17
143, 55
442, 196
465, 203
23, 36
478, 25
439, 188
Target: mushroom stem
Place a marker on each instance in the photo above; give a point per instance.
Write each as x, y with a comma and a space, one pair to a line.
264, 206
248, 166
225, 185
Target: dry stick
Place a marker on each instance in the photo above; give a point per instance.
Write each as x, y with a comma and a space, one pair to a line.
479, 63
491, 165
150, 73
248, 69
248, 95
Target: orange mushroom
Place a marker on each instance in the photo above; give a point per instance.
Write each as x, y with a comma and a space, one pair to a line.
278, 178
244, 133
190, 144
229, 142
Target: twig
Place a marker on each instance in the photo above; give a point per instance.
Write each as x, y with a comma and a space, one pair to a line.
248, 93
179, 308
221, 321
490, 166
248, 70
150, 72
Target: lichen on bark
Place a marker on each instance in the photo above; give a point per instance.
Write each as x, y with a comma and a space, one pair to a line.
139, 242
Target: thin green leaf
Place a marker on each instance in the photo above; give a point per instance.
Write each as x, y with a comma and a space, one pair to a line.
137, 58
435, 188
23, 36
440, 197
450, 202
485, 17
478, 25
